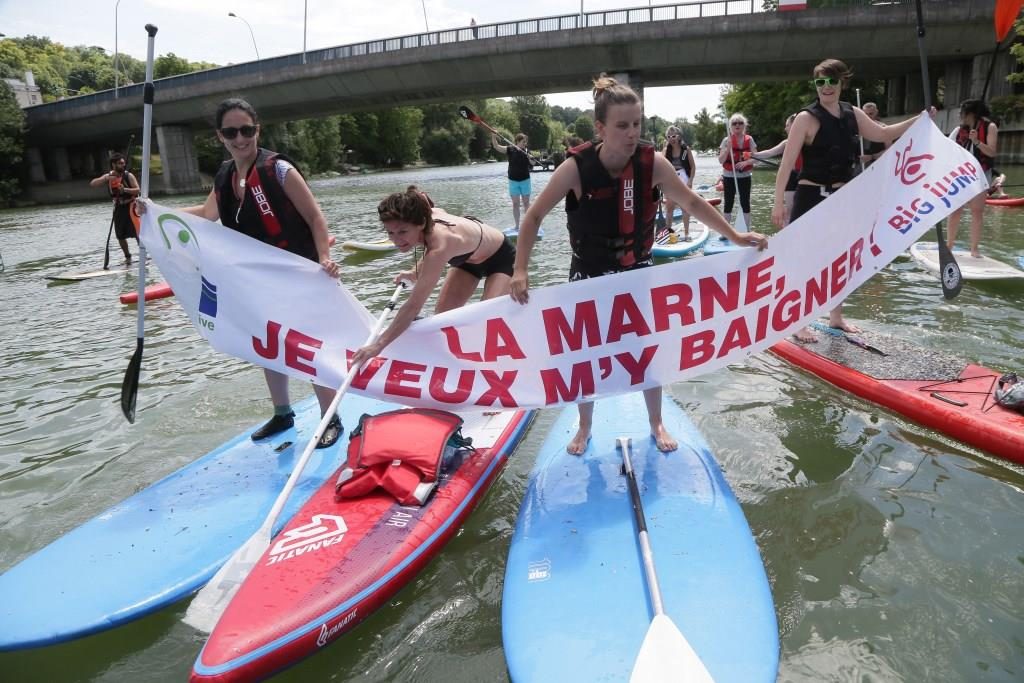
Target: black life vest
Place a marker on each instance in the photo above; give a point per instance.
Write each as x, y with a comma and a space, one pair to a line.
266, 212
611, 227
738, 148
682, 161
519, 164
830, 157
963, 138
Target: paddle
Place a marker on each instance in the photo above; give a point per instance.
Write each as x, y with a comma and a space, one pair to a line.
856, 341
741, 223
206, 608
127, 168
130, 385
665, 654
949, 269
468, 114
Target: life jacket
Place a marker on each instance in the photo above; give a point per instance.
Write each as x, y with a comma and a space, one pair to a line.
114, 186
266, 212
739, 147
611, 226
680, 162
830, 157
963, 138
404, 452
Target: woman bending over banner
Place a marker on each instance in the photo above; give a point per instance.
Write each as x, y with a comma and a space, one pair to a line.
608, 235
474, 250
263, 195
823, 135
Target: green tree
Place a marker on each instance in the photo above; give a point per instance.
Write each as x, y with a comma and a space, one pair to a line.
583, 127
170, 64
708, 132
533, 112
442, 146
12, 144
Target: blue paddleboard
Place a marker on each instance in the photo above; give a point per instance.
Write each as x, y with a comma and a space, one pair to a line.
167, 541
720, 245
576, 605
513, 233
674, 246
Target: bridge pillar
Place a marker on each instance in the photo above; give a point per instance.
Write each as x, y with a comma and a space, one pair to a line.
61, 166
635, 81
36, 168
896, 96
178, 157
957, 82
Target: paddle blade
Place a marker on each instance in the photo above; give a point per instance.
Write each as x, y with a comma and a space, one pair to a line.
666, 655
130, 384
741, 223
949, 270
467, 113
204, 611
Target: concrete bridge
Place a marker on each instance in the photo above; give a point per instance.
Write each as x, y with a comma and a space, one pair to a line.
711, 41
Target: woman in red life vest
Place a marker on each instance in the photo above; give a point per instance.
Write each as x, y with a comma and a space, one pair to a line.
592, 186
823, 134
735, 154
680, 156
978, 135
285, 215
474, 251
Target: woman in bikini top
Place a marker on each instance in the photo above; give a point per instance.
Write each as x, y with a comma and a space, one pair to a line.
474, 250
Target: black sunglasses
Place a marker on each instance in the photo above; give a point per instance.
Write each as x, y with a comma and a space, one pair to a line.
231, 133
827, 80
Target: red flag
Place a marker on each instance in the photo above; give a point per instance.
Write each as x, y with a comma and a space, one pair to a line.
1006, 14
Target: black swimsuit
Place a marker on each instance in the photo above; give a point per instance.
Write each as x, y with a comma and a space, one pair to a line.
501, 261
458, 261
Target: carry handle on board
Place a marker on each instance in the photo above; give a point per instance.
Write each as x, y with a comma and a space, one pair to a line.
206, 608
665, 654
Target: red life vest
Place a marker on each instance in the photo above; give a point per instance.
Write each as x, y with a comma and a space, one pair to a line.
738, 148
963, 138
611, 226
402, 452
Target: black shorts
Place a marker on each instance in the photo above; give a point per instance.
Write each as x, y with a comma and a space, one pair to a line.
123, 226
501, 261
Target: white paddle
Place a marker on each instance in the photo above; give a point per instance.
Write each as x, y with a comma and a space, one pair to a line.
665, 654
206, 608
741, 223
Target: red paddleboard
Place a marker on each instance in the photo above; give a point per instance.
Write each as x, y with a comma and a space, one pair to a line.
1005, 201
335, 563
935, 390
158, 291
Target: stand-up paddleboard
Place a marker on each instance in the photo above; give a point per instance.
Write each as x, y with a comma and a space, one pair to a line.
575, 604
165, 542
381, 246
1004, 201
936, 390
981, 268
336, 562
1020, 261
513, 233
160, 290
75, 277
720, 245
673, 245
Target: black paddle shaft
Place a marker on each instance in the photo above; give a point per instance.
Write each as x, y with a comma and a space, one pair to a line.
634, 497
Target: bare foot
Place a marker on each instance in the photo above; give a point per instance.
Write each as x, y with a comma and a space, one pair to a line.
844, 326
663, 439
975, 254
579, 443
806, 336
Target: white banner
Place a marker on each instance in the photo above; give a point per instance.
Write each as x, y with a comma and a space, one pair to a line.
586, 339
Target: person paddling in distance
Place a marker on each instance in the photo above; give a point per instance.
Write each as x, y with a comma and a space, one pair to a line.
519, 166
592, 186
123, 188
824, 133
294, 223
979, 136
474, 251
680, 156
737, 166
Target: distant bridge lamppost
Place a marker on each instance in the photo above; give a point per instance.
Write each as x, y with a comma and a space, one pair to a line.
423, 3
305, 13
116, 60
251, 34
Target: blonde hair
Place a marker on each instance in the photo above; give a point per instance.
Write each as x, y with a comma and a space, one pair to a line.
737, 117
608, 92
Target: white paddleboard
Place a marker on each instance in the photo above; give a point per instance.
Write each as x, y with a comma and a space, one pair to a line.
75, 277
981, 268
381, 246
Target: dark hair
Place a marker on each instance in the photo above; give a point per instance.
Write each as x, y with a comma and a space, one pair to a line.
235, 103
116, 157
835, 69
607, 92
412, 206
976, 107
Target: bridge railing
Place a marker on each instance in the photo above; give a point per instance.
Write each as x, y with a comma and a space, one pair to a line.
566, 22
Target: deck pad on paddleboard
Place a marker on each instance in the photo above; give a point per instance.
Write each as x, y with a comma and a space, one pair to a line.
336, 562
667, 248
929, 387
576, 605
981, 268
166, 541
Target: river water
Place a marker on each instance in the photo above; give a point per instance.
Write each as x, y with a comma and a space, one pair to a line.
893, 553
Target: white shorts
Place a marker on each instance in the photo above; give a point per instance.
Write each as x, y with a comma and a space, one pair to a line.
684, 175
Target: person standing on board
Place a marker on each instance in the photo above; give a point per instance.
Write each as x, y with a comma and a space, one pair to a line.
474, 251
778, 150
123, 188
680, 156
519, 167
737, 148
294, 223
979, 135
824, 133
605, 240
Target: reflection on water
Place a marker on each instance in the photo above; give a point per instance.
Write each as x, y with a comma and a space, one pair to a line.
893, 552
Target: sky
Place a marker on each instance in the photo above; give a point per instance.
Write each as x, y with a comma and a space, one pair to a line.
201, 30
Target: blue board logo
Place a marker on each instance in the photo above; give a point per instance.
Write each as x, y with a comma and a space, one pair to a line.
208, 299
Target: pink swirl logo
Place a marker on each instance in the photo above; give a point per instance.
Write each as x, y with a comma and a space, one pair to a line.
910, 168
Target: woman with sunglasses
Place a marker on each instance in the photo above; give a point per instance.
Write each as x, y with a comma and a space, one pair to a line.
263, 195
735, 154
823, 135
680, 156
